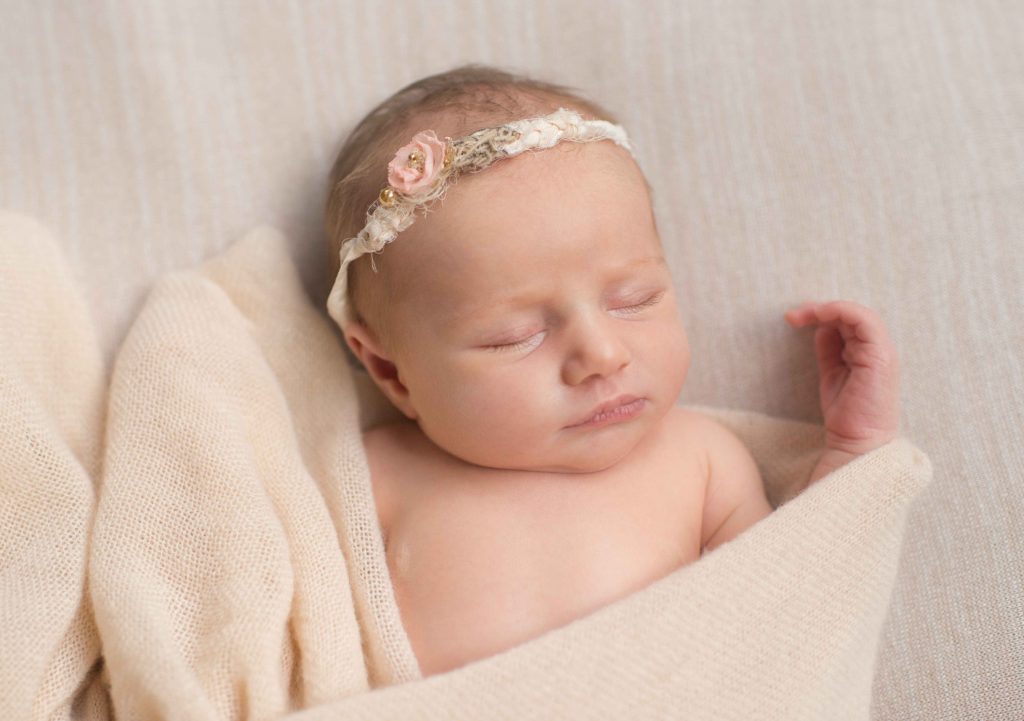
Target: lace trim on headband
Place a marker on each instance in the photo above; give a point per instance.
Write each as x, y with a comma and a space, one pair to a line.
422, 171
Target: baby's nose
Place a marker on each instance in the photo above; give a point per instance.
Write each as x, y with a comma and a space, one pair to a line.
595, 350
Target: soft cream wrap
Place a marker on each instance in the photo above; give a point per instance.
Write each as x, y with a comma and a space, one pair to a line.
236, 568
52, 395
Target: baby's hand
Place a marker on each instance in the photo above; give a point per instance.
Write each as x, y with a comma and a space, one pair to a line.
859, 373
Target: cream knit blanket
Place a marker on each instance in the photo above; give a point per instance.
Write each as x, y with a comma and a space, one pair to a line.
234, 562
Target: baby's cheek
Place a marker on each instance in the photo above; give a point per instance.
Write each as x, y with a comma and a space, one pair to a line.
674, 360
477, 404
682, 358
523, 399
513, 406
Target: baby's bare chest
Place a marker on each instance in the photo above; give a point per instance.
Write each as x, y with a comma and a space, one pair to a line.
483, 560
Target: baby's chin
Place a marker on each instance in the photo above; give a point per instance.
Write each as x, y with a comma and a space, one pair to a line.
588, 452
587, 465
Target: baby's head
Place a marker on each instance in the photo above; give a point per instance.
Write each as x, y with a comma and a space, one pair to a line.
533, 293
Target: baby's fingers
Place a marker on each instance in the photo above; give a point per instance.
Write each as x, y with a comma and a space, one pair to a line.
848, 333
801, 315
853, 320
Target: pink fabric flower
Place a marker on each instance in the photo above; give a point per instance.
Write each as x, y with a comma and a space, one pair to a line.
409, 175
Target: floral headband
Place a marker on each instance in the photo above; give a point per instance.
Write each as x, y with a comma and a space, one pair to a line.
421, 171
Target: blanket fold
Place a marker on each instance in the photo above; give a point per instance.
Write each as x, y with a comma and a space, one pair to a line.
52, 388
236, 569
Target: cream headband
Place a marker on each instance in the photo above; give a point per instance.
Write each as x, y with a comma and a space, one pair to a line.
421, 171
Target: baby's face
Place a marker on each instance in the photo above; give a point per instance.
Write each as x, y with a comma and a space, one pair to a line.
534, 293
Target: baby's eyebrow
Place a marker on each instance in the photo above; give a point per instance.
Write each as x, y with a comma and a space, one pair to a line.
521, 300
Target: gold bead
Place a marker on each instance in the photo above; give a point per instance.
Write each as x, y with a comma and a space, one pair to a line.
416, 160
387, 197
449, 155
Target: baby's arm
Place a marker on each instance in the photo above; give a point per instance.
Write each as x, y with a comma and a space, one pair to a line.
734, 498
859, 386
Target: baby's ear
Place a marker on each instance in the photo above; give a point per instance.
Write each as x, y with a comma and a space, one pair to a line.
377, 361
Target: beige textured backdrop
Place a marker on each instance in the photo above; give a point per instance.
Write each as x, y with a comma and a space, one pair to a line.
871, 150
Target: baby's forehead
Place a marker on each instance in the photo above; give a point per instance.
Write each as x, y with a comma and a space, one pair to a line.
491, 274
569, 214
564, 203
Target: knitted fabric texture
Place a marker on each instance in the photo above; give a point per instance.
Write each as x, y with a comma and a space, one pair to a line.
52, 398
236, 566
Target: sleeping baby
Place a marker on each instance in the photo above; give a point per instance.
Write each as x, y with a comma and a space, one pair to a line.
526, 327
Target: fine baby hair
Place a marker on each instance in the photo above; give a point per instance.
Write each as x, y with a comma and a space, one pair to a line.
370, 200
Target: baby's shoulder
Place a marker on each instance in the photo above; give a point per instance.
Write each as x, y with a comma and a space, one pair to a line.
697, 422
699, 434
676, 446
691, 427
683, 418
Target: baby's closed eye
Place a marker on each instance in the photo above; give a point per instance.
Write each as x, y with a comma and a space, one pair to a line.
646, 303
531, 339
528, 342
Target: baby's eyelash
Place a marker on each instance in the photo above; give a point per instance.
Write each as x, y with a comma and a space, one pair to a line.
514, 346
526, 342
645, 304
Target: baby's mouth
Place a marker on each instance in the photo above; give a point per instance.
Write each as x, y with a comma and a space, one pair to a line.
622, 408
